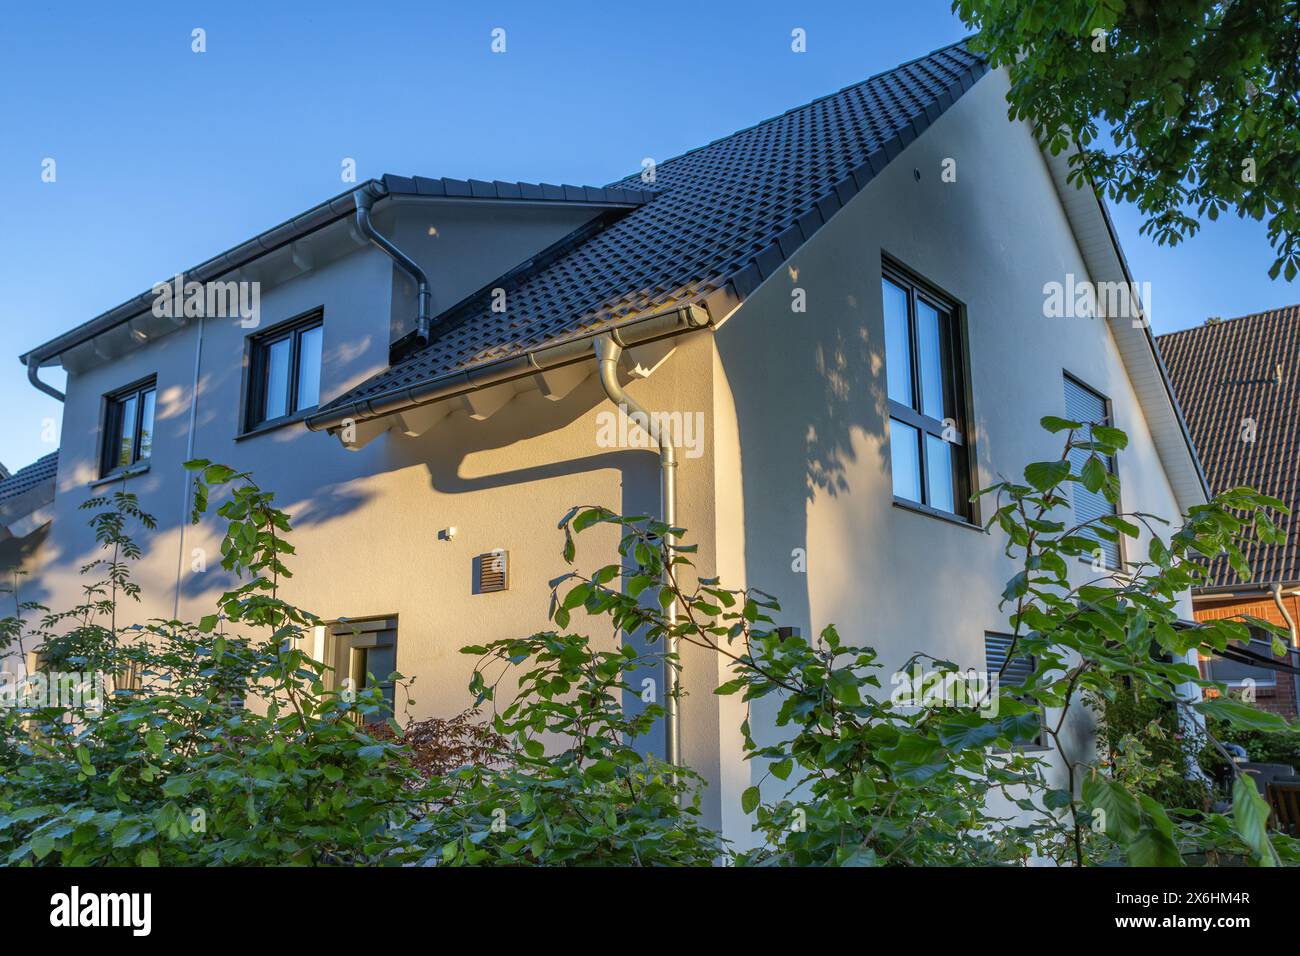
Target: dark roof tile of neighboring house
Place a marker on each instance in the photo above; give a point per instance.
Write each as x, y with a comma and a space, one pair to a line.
25, 479
723, 218
1228, 375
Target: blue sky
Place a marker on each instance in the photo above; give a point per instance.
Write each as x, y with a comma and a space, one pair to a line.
166, 157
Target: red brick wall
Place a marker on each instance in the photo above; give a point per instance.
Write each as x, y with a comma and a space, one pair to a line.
1279, 699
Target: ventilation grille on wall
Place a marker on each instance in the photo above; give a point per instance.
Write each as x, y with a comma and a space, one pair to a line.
491, 572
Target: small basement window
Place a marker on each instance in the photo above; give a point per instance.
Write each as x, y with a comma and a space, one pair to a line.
365, 652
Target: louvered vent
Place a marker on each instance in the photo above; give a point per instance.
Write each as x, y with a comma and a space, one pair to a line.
492, 572
1082, 404
996, 647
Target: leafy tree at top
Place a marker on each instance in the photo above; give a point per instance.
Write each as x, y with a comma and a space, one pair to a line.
1200, 102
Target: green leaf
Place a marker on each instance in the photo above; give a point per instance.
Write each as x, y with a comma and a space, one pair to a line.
1120, 813
749, 800
1054, 424
1110, 436
1093, 474
968, 731
577, 596
1250, 819
1243, 716
1043, 475
1153, 848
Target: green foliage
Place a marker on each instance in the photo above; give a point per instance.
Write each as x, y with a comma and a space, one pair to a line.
848, 778
1200, 102
1145, 743
213, 744
578, 791
221, 742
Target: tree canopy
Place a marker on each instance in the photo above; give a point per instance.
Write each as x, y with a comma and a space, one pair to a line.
1186, 109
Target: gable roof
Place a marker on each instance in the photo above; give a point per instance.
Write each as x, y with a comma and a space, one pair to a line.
1228, 372
724, 217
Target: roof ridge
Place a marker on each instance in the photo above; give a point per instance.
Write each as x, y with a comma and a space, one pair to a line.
727, 215
803, 106
1236, 318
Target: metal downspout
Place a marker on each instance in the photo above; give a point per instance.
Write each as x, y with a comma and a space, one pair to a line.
33, 376
364, 198
189, 455
1276, 591
607, 353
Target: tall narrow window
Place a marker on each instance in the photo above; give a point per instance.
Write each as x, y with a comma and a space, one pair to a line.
284, 371
128, 428
924, 374
1082, 404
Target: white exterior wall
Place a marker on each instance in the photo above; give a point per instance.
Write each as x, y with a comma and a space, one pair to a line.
807, 392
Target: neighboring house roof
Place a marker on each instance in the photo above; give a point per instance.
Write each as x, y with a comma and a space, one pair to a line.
330, 211
25, 496
1238, 382
25, 479
724, 218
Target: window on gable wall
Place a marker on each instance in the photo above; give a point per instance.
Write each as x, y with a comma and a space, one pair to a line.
1082, 404
928, 440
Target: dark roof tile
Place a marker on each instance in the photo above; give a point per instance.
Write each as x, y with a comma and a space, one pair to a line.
25, 479
718, 218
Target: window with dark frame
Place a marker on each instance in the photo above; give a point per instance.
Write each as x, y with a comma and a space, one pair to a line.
284, 371
128, 427
924, 366
365, 652
1082, 404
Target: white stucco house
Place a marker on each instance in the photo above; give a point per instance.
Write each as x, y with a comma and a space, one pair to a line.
843, 306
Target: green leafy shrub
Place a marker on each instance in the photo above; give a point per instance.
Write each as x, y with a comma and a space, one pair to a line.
222, 743
223, 748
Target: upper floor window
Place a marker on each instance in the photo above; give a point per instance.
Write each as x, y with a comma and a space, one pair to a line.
284, 371
928, 444
128, 427
1082, 404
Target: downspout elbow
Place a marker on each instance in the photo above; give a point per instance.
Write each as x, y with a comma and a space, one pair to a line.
608, 352
34, 376
364, 198
1276, 591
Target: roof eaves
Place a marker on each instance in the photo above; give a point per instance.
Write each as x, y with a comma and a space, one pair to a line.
1155, 351
291, 230
326, 213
